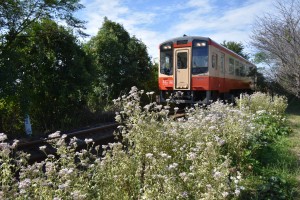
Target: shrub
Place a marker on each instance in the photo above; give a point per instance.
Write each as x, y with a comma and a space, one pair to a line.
204, 155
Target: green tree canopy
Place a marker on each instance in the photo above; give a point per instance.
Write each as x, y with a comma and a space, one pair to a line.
236, 47
122, 61
53, 76
57, 75
18, 15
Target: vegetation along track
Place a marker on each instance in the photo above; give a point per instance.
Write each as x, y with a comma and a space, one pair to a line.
101, 135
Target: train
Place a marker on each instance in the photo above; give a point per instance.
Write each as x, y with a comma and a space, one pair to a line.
195, 69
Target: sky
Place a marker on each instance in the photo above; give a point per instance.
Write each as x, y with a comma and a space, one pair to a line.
155, 21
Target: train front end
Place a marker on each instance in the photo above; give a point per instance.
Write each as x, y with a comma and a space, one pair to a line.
183, 70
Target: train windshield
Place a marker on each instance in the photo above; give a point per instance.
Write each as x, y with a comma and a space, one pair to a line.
166, 62
200, 57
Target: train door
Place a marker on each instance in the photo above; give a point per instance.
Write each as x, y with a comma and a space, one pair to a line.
222, 72
182, 75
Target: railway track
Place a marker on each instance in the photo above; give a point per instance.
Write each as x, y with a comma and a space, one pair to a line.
101, 135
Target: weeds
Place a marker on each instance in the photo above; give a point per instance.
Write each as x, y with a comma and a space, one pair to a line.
212, 153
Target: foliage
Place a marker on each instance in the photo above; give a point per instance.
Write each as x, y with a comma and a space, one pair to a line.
19, 15
201, 156
121, 60
276, 36
23, 57
262, 102
56, 100
11, 119
53, 78
236, 47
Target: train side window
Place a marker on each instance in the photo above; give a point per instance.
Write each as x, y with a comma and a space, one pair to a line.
242, 69
237, 68
222, 63
231, 66
247, 70
214, 60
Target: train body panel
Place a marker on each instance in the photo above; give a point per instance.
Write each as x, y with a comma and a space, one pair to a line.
200, 70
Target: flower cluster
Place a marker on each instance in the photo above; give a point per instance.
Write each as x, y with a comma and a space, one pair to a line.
199, 156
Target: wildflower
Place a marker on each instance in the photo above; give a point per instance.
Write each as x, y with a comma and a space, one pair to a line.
54, 135
149, 155
118, 118
147, 107
15, 143
76, 195
237, 192
64, 185
217, 174
192, 156
24, 184
3, 137
225, 194
176, 109
65, 171
164, 155
42, 148
172, 166
88, 140
184, 194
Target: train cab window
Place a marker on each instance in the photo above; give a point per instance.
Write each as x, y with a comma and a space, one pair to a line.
199, 57
231, 66
166, 60
237, 68
182, 60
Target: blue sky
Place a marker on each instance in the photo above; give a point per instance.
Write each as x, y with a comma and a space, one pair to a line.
154, 21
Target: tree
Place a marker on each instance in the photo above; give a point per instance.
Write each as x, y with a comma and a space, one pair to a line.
277, 36
236, 47
16, 16
54, 76
122, 61
58, 76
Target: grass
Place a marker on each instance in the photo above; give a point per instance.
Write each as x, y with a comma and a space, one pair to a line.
278, 176
293, 114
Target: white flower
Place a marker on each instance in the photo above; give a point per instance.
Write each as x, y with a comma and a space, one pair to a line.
192, 156
54, 135
172, 166
217, 174
88, 140
149, 155
3, 137
24, 184
42, 148
14, 145
237, 192
225, 194
176, 109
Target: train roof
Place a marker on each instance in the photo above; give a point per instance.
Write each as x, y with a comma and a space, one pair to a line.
188, 38
212, 42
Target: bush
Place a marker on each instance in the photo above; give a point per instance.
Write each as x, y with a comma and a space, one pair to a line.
204, 155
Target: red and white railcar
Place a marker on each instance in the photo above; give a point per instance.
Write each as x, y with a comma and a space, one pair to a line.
196, 69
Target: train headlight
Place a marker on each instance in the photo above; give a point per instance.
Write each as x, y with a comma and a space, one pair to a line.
167, 47
200, 44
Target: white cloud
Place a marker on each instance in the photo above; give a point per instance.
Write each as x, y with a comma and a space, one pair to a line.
193, 17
